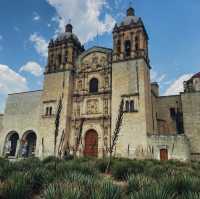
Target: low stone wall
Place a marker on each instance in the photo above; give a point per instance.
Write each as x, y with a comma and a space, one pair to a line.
176, 145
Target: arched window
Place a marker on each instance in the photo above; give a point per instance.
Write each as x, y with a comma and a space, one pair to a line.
127, 47
118, 47
28, 144
127, 106
11, 144
132, 106
137, 43
94, 85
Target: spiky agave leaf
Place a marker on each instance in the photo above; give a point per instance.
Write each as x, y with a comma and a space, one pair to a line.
153, 193
109, 190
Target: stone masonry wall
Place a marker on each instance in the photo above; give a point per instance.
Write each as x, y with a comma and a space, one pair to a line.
21, 114
191, 117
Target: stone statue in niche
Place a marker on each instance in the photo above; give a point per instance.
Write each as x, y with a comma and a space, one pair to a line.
92, 106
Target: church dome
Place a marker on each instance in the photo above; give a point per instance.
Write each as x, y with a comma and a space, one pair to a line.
68, 34
130, 18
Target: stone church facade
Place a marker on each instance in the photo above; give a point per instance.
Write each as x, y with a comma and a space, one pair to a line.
79, 105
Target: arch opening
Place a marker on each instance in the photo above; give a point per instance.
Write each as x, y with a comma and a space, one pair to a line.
94, 85
28, 144
127, 47
11, 144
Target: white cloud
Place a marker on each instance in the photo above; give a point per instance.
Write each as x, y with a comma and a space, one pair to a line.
36, 16
177, 86
32, 67
85, 16
156, 77
10, 81
40, 44
1, 37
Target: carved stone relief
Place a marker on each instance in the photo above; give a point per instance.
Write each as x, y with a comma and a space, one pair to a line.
92, 106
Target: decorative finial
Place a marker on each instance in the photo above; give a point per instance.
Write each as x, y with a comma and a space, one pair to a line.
130, 11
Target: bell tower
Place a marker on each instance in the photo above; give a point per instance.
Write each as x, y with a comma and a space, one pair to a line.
130, 39
63, 51
56, 102
131, 83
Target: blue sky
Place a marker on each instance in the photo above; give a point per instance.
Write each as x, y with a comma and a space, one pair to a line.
26, 27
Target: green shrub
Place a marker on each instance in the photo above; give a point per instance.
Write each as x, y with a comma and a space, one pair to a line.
40, 177
121, 170
27, 164
50, 159
102, 164
6, 169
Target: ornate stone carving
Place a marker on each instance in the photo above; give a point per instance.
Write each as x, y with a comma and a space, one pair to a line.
92, 106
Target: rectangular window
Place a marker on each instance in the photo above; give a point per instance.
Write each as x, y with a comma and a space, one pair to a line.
172, 113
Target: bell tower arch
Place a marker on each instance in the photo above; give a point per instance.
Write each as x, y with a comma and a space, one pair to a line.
130, 39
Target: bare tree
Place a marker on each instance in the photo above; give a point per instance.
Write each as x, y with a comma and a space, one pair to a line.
57, 123
115, 133
79, 137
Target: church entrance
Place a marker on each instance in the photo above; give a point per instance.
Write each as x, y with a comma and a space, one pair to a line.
91, 144
163, 154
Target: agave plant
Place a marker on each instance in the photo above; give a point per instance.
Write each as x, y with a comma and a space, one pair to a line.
183, 184
53, 191
108, 190
192, 195
139, 182
17, 187
86, 183
157, 192
72, 193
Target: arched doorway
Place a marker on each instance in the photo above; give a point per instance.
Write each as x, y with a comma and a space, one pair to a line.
28, 144
11, 144
91, 144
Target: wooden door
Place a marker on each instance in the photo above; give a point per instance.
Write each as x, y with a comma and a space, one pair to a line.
91, 144
163, 154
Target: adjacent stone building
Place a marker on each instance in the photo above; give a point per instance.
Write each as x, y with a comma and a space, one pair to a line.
86, 92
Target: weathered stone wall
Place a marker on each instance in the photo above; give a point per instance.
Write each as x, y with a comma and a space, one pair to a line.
176, 145
191, 117
21, 114
56, 86
166, 124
